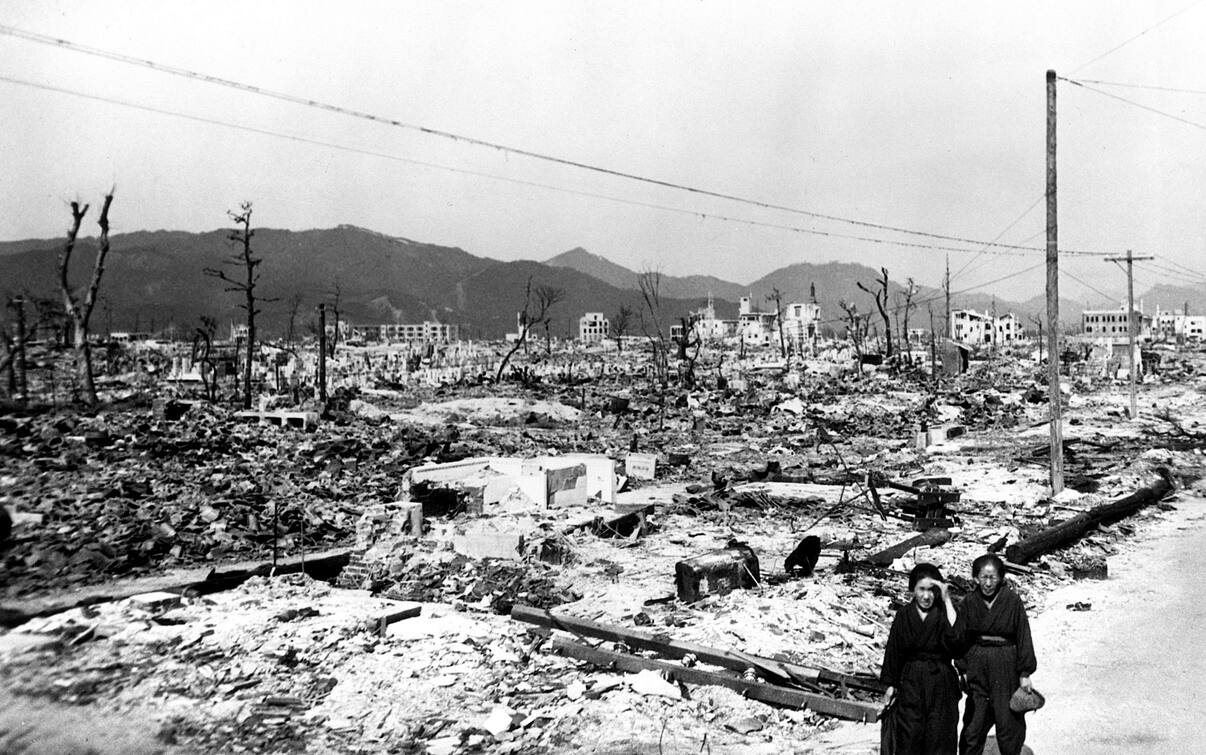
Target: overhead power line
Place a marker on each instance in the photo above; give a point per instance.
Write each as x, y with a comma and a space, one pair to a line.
1139, 105
1083, 282
1176, 276
939, 297
312, 103
1016, 220
1152, 87
496, 177
1128, 40
1189, 270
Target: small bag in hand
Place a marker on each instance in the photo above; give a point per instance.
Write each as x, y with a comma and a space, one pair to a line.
1024, 702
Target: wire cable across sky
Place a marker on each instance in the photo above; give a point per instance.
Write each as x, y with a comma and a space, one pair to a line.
64, 44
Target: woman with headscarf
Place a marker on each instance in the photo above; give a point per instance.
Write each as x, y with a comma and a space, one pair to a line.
922, 684
999, 659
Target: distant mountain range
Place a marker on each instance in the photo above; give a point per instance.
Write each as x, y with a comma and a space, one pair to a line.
153, 279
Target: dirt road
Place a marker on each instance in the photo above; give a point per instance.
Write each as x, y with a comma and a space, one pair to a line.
1129, 674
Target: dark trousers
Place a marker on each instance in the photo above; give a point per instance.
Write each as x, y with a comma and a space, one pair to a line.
992, 678
927, 709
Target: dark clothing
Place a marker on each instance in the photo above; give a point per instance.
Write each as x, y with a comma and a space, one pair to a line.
999, 651
917, 662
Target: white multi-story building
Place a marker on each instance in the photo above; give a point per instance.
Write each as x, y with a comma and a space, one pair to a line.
801, 323
1112, 323
971, 327
426, 332
593, 327
755, 327
1179, 325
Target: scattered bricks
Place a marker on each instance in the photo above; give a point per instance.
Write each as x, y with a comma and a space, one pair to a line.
716, 573
156, 601
406, 518
483, 541
372, 524
641, 466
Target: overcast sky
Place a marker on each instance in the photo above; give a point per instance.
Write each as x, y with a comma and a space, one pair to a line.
922, 115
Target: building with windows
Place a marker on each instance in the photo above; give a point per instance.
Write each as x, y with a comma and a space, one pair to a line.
756, 328
1179, 325
593, 327
801, 324
1113, 323
981, 328
423, 332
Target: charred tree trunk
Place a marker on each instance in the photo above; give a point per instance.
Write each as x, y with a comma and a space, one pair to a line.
80, 311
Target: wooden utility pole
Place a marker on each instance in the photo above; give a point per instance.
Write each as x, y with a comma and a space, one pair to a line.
946, 287
22, 376
1131, 322
1057, 428
322, 354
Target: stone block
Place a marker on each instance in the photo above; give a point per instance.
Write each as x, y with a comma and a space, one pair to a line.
487, 542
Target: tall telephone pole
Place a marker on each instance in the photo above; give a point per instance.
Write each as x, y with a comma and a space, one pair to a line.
322, 354
1053, 392
946, 288
1131, 321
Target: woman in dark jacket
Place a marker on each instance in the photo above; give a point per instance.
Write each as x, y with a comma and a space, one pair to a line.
999, 659
918, 669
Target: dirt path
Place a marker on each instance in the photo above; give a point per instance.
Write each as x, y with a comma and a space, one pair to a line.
1127, 676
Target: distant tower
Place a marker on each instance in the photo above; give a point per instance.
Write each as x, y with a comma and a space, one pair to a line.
812, 291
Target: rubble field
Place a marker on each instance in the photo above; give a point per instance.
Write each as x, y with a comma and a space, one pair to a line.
139, 584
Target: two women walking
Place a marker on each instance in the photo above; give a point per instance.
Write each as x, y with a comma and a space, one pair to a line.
934, 649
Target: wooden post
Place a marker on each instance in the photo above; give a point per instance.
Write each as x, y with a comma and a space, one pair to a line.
22, 381
322, 354
1057, 428
1131, 322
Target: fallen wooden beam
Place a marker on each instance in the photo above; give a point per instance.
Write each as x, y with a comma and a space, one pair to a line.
852, 710
730, 659
194, 581
1073, 529
383, 622
929, 538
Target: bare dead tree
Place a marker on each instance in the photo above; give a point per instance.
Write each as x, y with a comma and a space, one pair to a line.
532, 314
881, 303
620, 322
240, 237
203, 338
546, 298
80, 310
294, 305
905, 307
1037, 319
650, 284
856, 329
687, 357
777, 298
8, 358
336, 294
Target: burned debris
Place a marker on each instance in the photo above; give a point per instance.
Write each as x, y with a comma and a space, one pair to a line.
465, 566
